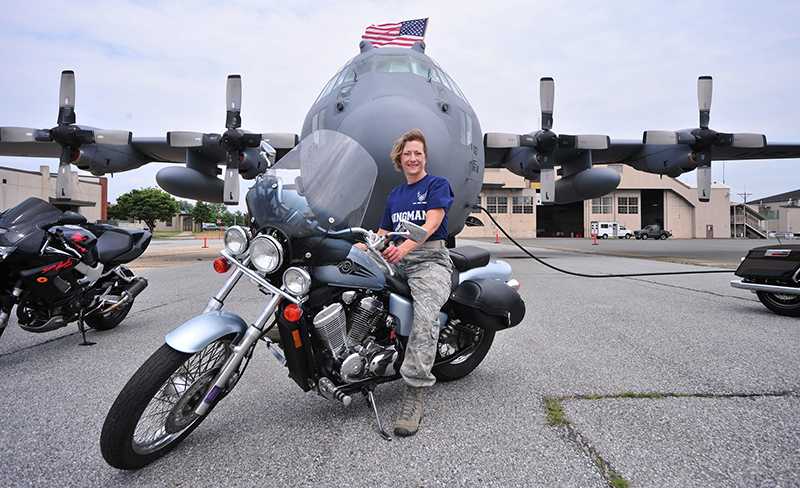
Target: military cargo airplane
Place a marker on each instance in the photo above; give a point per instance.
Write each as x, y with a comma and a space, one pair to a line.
377, 96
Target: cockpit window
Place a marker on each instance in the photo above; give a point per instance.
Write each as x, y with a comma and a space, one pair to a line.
392, 64
357, 70
425, 70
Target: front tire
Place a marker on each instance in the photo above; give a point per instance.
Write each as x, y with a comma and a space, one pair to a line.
644, 237
663, 237
463, 348
788, 305
154, 412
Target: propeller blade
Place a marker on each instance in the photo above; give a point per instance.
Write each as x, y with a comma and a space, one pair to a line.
500, 140
66, 94
547, 95
704, 89
185, 139
17, 134
704, 183
547, 183
233, 97
660, 137
66, 98
64, 178
251, 140
584, 141
112, 137
230, 193
280, 140
749, 140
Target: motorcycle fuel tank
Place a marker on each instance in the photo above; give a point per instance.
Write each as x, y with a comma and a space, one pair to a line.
347, 266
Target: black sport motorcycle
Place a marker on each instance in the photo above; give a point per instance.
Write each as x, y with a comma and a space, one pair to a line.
342, 316
58, 269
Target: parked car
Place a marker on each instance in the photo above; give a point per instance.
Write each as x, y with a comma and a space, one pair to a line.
207, 227
652, 231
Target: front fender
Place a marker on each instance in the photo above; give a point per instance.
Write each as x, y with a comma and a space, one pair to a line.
197, 333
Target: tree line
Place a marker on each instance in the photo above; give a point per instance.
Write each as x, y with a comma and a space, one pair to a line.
152, 205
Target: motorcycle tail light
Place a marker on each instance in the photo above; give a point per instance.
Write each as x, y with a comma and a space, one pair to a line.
292, 313
221, 265
514, 284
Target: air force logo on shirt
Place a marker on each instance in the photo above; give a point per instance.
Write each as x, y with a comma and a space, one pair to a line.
421, 198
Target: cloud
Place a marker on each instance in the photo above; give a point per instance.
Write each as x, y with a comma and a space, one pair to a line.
620, 67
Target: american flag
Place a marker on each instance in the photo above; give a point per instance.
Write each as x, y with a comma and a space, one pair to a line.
403, 34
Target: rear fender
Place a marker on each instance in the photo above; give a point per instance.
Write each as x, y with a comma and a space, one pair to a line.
202, 330
496, 270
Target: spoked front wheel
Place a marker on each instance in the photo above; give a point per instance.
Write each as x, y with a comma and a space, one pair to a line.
154, 412
461, 349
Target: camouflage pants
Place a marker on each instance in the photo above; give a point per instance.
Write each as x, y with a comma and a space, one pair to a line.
427, 271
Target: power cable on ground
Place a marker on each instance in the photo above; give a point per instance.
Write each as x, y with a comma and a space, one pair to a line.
583, 275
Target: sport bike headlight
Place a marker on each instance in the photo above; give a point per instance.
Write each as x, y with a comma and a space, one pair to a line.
266, 254
297, 281
5, 251
236, 240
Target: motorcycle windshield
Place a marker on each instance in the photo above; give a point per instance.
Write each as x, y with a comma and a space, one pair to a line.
323, 184
23, 220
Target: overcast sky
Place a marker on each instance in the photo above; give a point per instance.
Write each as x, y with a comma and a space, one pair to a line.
620, 67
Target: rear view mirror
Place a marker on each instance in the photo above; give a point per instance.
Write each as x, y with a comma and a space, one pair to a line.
416, 232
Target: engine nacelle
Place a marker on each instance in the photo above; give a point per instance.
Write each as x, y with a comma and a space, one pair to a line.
189, 183
589, 183
100, 160
664, 160
522, 161
252, 164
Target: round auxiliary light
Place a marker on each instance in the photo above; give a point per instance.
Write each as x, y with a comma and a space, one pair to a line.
236, 240
266, 254
297, 281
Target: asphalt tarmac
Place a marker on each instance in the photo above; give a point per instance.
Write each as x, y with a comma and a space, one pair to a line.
674, 380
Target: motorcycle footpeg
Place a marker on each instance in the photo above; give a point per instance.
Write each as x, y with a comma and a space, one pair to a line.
330, 391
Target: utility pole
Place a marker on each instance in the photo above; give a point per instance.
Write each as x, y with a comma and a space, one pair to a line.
744, 196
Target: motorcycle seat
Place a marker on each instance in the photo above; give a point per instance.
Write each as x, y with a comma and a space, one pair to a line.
464, 258
113, 244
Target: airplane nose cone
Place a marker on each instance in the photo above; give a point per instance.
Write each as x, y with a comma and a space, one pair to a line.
378, 123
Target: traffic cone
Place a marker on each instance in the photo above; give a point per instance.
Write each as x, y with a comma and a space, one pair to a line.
595, 240
205, 240
496, 237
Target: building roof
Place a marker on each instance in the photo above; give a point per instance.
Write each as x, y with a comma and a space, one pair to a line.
781, 197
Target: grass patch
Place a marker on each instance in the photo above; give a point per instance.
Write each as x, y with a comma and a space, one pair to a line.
554, 412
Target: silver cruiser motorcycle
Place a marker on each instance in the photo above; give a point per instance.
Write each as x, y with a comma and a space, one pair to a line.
342, 316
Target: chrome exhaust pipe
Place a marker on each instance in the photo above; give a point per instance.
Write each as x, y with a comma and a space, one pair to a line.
780, 290
138, 286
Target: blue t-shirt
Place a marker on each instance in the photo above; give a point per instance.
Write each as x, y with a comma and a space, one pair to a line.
412, 202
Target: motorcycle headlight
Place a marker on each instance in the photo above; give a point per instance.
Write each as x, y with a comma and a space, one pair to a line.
236, 240
297, 281
266, 254
5, 251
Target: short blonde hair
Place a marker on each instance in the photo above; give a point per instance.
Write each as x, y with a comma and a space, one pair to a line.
400, 144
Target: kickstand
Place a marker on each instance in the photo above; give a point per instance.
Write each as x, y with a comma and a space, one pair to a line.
371, 400
82, 328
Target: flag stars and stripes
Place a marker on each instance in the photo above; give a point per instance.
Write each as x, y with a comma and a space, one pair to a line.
403, 34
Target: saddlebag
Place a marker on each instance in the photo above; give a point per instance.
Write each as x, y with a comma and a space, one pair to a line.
487, 303
778, 263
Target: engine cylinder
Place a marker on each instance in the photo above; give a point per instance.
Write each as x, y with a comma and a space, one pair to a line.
330, 325
362, 320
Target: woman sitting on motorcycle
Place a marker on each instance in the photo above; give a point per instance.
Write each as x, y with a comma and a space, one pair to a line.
424, 200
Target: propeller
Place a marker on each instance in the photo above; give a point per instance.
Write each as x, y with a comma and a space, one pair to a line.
546, 142
233, 140
702, 140
66, 134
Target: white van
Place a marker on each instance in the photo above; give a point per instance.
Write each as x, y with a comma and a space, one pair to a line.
604, 230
